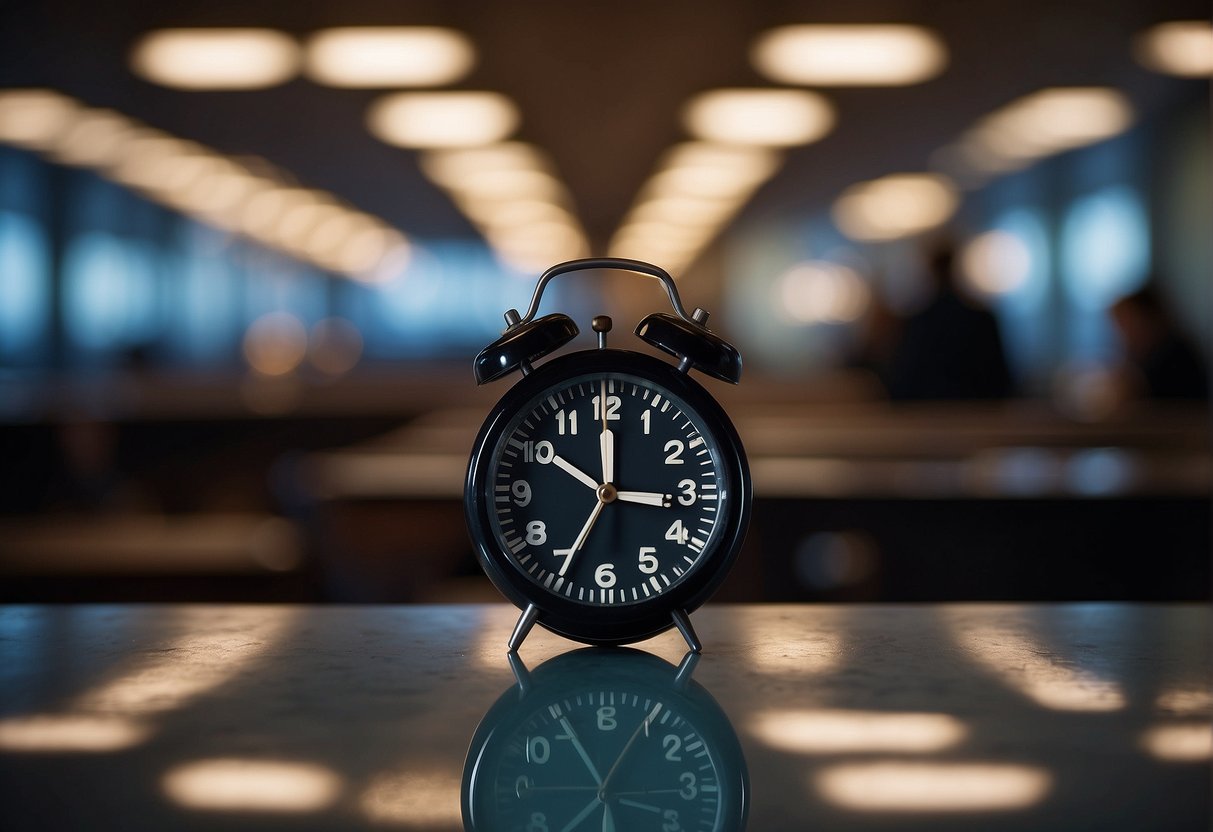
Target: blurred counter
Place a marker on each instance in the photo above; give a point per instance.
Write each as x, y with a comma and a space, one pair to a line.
998, 717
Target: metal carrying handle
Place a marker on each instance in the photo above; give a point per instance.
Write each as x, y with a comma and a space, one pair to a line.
618, 263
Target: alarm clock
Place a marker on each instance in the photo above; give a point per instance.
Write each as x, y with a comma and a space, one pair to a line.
607, 494
605, 739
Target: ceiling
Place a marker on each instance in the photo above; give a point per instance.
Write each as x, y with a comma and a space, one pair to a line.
599, 84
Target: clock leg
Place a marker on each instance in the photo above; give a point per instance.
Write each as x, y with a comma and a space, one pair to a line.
525, 622
683, 622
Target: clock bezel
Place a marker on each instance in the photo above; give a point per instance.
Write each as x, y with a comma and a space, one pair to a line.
624, 623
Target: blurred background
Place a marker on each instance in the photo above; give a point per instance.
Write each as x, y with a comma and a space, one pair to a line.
249, 250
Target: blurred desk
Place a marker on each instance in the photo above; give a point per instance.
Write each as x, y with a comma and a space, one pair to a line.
996, 717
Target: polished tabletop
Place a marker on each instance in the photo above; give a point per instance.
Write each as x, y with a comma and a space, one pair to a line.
1093, 716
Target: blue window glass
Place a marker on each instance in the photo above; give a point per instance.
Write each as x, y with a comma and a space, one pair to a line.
109, 294
1105, 254
24, 288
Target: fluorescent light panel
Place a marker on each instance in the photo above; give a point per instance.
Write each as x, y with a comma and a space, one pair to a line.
849, 55
442, 119
761, 117
1177, 47
216, 59
388, 56
895, 206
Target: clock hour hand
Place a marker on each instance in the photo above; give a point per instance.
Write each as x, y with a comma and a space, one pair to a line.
648, 498
577, 474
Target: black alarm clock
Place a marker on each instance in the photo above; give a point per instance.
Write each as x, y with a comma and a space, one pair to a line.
607, 493
605, 739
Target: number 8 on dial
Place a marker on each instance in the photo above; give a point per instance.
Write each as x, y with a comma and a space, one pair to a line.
607, 492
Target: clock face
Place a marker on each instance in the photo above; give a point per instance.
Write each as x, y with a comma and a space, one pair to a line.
607, 759
608, 489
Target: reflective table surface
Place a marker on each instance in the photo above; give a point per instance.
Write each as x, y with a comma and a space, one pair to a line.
825, 717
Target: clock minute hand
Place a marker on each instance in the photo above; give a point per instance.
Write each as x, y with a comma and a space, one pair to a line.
607, 445
643, 726
568, 554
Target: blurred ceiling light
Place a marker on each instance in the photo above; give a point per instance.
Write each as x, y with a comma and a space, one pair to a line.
895, 206
710, 182
252, 786
389, 56
151, 159
275, 343
849, 54
838, 732
702, 154
1178, 47
297, 224
684, 210
505, 214
1049, 680
365, 252
216, 59
818, 291
1057, 119
265, 209
442, 119
35, 118
933, 787
1041, 124
996, 263
1180, 743
511, 184
70, 733
762, 117
95, 139
453, 168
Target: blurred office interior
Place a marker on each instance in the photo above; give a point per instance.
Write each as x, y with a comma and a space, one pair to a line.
249, 250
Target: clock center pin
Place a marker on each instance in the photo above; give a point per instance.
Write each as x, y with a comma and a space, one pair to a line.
607, 493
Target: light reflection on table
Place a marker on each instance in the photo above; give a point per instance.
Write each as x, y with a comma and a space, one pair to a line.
929, 717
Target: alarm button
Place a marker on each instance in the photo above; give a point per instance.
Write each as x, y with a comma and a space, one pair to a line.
694, 345
523, 344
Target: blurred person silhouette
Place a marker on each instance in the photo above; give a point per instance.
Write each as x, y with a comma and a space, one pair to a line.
1161, 362
951, 348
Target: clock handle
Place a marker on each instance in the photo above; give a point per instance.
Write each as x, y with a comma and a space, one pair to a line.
683, 622
618, 263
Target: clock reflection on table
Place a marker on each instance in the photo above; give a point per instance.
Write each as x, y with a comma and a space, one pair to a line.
605, 739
